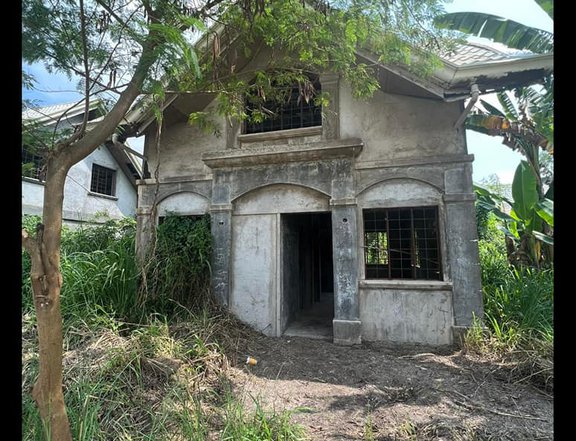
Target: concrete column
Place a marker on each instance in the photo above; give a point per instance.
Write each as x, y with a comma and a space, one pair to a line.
331, 113
232, 132
464, 260
346, 323
144, 232
221, 218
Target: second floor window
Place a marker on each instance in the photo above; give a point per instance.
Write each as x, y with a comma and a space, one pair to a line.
103, 180
296, 109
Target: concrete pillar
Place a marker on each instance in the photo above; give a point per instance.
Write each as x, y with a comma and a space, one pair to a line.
463, 258
331, 113
221, 218
145, 225
144, 232
346, 323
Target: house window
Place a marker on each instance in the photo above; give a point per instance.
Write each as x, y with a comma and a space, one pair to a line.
294, 112
103, 180
402, 243
32, 165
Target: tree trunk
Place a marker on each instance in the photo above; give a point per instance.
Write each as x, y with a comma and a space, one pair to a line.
47, 390
44, 250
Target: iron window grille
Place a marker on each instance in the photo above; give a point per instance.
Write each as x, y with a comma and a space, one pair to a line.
293, 113
34, 164
402, 243
103, 180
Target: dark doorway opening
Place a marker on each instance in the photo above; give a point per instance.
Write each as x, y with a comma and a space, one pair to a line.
307, 303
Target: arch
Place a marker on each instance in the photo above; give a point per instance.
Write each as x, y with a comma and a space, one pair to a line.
281, 198
184, 203
399, 191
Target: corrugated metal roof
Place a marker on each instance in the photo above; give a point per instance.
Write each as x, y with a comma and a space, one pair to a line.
51, 114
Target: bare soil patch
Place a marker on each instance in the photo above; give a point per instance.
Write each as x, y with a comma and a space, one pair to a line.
390, 392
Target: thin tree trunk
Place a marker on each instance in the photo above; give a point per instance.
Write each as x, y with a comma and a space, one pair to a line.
44, 250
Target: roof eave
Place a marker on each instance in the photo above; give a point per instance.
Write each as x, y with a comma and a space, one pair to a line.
453, 75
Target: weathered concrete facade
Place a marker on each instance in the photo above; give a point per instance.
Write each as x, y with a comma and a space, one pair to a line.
390, 151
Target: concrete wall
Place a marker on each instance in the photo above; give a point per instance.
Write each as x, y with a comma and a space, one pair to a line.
184, 204
79, 203
397, 127
408, 154
254, 272
401, 315
182, 146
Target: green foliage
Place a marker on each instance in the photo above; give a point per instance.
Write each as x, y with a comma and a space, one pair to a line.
179, 270
99, 272
261, 426
531, 217
511, 33
518, 302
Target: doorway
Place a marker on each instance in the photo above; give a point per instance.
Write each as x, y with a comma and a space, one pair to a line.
307, 299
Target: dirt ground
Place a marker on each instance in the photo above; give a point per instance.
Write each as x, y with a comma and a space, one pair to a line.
388, 392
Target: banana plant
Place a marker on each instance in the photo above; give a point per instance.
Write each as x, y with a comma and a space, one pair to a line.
502, 30
530, 222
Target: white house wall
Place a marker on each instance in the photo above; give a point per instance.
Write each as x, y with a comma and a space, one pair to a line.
79, 203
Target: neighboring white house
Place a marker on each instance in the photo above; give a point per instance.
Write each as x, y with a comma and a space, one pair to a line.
100, 187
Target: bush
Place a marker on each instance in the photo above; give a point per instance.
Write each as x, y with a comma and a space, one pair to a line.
179, 270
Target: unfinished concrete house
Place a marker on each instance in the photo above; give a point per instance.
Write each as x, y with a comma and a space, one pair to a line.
354, 222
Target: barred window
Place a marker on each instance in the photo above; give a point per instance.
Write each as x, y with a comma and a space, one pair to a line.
32, 165
402, 243
103, 180
294, 113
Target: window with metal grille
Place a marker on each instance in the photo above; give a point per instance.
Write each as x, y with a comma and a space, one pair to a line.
103, 180
292, 113
402, 243
32, 165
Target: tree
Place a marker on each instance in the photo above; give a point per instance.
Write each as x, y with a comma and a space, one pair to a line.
525, 121
125, 49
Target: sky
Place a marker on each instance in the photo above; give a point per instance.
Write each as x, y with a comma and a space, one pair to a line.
490, 156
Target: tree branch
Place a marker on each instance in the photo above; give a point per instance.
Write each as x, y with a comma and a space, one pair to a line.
79, 131
29, 243
116, 17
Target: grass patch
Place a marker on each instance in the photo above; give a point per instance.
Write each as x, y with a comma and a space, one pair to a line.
518, 316
142, 368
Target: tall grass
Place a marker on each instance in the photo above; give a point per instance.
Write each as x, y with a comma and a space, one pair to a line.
518, 312
518, 302
142, 370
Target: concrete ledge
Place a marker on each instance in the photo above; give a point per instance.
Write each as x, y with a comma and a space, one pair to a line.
459, 197
347, 332
411, 162
315, 151
280, 134
406, 285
